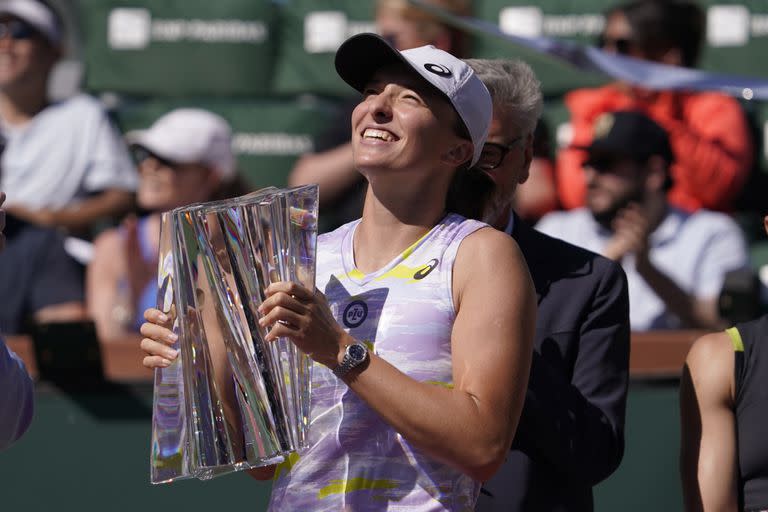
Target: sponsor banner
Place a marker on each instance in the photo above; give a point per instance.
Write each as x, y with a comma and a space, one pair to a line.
174, 48
310, 31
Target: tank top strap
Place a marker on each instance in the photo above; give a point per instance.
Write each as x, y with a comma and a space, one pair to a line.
738, 357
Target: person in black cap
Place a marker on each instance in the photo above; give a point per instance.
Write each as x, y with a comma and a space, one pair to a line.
422, 337
675, 261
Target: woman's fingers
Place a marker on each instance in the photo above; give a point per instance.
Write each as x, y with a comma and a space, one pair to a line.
157, 317
153, 362
158, 333
159, 354
283, 300
285, 322
292, 289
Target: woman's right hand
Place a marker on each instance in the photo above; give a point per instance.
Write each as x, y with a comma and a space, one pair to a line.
158, 339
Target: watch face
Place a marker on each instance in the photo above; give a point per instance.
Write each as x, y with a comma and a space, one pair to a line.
356, 352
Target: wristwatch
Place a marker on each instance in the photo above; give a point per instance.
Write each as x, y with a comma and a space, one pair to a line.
354, 355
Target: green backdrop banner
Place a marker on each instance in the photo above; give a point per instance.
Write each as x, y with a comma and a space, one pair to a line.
310, 33
178, 47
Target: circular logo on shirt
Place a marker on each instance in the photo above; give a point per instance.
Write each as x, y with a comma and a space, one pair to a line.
426, 269
355, 313
437, 69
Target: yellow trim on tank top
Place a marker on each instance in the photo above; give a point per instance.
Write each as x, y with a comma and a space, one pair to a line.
399, 271
354, 484
736, 341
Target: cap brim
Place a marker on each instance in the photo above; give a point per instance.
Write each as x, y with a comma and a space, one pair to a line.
360, 56
141, 139
38, 16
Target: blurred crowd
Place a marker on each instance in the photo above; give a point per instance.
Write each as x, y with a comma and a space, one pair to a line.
652, 180
84, 199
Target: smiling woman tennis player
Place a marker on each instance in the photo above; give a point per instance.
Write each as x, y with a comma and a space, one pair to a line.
422, 333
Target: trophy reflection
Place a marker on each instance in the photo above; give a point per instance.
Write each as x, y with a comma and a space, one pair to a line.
231, 401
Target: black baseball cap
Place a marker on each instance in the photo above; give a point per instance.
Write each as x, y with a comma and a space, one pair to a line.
628, 134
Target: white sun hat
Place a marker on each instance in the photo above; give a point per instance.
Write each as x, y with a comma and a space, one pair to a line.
37, 14
190, 135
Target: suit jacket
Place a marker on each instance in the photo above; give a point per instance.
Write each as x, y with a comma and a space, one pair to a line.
571, 431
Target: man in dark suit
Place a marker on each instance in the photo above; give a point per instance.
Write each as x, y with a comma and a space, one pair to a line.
571, 432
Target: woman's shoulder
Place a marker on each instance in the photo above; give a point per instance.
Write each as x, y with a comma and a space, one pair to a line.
710, 361
487, 250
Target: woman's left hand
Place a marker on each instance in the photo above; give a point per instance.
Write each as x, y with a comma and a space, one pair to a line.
305, 317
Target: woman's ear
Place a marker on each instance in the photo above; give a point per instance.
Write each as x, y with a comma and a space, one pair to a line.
459, 154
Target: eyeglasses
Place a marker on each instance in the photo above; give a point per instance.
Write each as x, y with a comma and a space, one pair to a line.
622, 45
493, 154
141, 153
16, 30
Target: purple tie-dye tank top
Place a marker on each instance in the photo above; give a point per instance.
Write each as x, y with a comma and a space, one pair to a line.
404, 312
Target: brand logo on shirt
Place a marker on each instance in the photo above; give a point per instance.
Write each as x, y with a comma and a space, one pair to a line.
426, 269
438, 69
355, 314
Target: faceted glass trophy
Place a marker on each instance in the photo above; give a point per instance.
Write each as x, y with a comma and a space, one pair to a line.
231, 401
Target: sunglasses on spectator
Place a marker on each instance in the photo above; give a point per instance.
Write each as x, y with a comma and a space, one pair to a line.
609, 163
140, 154
16, 30
622, 45
494, 154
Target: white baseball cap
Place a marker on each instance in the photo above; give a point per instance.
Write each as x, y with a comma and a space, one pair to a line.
360, 56
37, 14
190, 135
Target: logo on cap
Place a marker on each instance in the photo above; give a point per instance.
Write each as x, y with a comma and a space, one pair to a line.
437, 69
603, 125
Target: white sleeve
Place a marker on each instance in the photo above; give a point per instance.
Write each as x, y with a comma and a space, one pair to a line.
551, 224
16, 397
724, 251
110, 165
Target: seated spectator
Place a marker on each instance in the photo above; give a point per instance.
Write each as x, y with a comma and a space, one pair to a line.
184, 157
675, 261
64, 164
39, 281
16, 391
723, 404
342, 188
708, 131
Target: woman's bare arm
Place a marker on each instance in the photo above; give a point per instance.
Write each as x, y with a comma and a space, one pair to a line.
708, 457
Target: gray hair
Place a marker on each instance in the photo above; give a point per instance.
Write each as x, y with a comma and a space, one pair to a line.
514, 89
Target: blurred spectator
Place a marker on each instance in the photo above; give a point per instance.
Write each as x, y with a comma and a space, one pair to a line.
571, 431
675, 261
184, 157
342, 188
16, 397
708, 131
64, 164
39, 280
16, 391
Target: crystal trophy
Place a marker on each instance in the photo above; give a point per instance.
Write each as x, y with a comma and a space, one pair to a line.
231, 401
